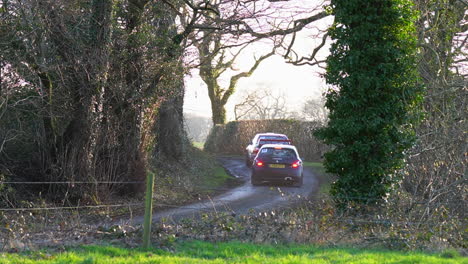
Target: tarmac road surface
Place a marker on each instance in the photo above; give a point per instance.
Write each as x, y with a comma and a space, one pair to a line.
244, 198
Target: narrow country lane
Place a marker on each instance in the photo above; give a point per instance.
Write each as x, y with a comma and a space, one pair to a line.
242, 199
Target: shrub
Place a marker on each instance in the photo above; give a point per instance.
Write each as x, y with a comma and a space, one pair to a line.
374, 97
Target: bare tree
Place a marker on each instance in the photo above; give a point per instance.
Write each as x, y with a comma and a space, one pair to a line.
95, 74
314, 109
263, 103
436, 169
221, 30
211, 70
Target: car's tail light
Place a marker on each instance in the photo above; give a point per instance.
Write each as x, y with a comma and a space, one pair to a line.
296, 164
259, 163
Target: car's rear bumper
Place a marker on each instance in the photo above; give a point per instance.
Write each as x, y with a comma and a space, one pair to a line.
276, 175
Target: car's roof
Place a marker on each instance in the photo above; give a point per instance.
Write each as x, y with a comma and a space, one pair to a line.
271, 134
278, 146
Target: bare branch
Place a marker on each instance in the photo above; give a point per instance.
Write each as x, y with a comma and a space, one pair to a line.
311, 60
298, 26
237, 77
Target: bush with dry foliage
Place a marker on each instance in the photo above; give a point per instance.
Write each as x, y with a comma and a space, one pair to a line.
435, 175
83, 90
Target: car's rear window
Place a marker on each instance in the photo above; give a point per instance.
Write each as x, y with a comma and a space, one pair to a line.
262, 140
277, 153
271, 137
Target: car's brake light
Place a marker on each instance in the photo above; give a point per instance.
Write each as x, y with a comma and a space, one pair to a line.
278, 147
259, 163
296, 164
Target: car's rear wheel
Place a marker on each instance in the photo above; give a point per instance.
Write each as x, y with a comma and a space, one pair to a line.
299, 182
254, 181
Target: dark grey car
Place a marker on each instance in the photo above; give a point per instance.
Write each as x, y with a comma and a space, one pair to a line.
277, 163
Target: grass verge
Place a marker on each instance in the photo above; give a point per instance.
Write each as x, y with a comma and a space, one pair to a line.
216, 178
197, 177
324, 178
316, 166
229, 252
198, 145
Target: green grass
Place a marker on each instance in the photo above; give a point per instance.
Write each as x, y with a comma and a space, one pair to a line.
316, 165
319, 170
218, 177
231, 252
207, 171
198, 145
198, 175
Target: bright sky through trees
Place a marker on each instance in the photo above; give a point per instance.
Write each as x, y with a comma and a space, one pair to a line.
297, 83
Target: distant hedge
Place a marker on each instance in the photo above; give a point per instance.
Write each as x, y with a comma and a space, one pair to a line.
233, 137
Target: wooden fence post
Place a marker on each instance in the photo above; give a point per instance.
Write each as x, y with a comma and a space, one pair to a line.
148, 210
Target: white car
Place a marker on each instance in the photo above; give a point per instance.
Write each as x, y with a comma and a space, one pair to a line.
259, 140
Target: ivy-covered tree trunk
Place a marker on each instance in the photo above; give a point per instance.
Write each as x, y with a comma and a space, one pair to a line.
210, 75
69, 149
171, 136
95, 74
172, 139
219, 113
374, 97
